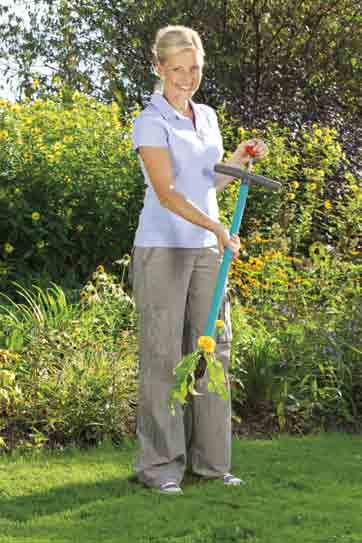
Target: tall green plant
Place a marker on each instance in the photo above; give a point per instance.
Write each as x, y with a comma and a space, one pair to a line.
71, 186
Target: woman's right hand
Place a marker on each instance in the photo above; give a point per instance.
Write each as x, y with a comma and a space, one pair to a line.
225, 240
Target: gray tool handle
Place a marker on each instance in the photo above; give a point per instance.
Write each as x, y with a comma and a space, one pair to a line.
248, 176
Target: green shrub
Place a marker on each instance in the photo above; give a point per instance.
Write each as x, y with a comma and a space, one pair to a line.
68, 372
297, 346
70, 187
320, 199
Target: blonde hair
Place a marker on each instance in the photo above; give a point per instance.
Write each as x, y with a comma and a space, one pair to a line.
172, 39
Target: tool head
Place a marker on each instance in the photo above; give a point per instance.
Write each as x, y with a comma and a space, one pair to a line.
248, 177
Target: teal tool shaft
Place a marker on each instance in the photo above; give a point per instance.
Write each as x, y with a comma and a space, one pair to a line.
225, 264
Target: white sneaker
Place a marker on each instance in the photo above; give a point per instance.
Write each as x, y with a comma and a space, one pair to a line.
170, 488
232, 480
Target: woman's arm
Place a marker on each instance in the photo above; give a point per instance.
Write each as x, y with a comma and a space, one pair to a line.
158, 164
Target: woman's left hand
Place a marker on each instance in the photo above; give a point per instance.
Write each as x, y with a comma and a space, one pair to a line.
259, 147
234, 245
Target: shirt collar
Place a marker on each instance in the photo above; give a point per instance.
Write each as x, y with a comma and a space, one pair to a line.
166, 110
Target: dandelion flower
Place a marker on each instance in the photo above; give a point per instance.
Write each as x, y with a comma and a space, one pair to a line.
35, 216
295, 184
327, 204
206, 343
312, 186
291, 196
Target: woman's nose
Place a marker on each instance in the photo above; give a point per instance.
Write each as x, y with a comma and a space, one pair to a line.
187, 78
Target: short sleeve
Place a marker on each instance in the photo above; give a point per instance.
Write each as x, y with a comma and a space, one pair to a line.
149, 132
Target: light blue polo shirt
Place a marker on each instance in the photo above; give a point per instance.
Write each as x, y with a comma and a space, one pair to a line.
194, 153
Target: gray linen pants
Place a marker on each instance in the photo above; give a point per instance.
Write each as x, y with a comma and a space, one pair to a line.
173, 290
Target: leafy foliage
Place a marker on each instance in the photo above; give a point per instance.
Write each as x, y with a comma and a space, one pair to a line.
297, 346
71, 187
67, 372
264, 59
321, 198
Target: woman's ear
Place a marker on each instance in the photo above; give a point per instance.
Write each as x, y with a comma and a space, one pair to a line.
159, 71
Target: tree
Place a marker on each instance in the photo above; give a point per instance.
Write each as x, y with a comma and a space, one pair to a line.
265, 58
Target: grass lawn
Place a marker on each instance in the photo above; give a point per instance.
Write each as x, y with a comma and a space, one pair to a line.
297, 490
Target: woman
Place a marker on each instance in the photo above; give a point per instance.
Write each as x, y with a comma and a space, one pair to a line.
177, 251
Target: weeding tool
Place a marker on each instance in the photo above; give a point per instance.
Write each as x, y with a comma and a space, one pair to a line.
247, 179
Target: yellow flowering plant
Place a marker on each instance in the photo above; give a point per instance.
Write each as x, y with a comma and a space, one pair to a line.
71, 187
200, 364
314, 200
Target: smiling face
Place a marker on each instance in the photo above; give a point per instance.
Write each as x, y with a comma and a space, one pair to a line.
181, 74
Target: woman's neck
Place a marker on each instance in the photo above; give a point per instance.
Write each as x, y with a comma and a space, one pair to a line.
182, 106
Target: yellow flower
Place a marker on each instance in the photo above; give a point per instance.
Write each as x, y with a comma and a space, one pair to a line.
256, 264
219, 324
8, 248
35, 216
291, 196
295, 184
35, 84
327, 204
206, 343
312, 186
